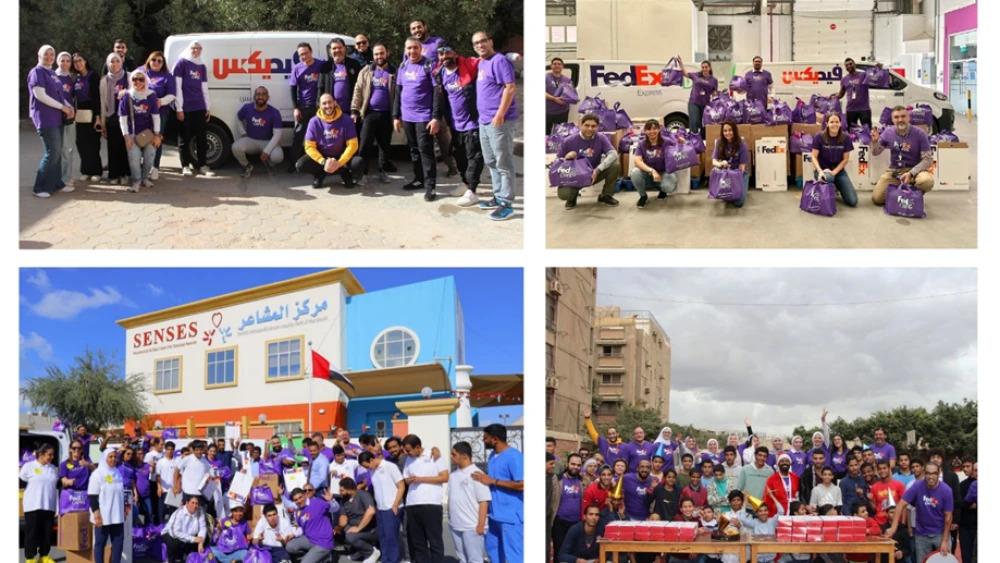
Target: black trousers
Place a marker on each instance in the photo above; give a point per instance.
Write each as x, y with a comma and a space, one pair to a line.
88, 144
306, 165
862, 117
363, 542
177, 550
299, 138
424, 533
193, 128
551, 120
469, 156
117, 155
421, 144
967, 538
38, 532
376, 130
560, 528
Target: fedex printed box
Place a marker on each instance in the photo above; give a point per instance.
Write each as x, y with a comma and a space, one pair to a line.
952, 166
859, 168
877, 165
771, 164
75, 531
754, 132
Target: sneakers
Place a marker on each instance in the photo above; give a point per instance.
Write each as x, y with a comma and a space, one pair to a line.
84, 178
188, 171
67, 189
642, 202
570, 204
317, 183
429, 195
608, 200
47, 559
414, 185
661, 195
247, 171
502, 213
489, 204
95, 179
135, 187
374, 556
43, 195
206, 171
383, 177
468, 199
154, 174
147, 183
390, 167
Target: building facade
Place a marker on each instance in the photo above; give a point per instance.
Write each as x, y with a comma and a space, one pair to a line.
631, 362
570, 298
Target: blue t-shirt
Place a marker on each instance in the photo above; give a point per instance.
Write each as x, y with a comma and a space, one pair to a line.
507, 505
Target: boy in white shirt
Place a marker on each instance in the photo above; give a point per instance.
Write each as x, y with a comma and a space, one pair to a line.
341, 467
273, 532
468, 506
425, 478
388, 489
168, 501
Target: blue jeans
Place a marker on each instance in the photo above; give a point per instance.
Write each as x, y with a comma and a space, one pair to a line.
746, 188
279, 555
694, 117
238, 555
49, 175
925, 545
149, 515
498, 154
68, 149
388, 535
115, 533
505, 542
845, 187
140, 161
642, 180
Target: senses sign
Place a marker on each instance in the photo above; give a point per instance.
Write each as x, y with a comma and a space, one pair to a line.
163, 335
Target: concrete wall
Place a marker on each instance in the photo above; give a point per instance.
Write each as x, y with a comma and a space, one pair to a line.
635, 29
572, 347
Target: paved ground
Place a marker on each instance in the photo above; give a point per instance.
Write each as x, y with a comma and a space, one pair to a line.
768, 220
278, 211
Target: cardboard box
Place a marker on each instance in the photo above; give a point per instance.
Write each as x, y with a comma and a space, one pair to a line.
712, 134
771, 164
859, 168
82, 556
952, 166
75, 531
271, 480
257, 514
20, 503
760, 131
804, 128
683, 181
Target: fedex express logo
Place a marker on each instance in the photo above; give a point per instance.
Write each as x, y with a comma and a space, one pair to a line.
255, 63
636, 75
811, 76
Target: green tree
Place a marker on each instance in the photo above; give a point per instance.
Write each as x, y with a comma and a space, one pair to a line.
92, 392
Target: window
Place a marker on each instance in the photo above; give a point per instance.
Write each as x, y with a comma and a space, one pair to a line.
611, 379
215, 432
550, 311
611, 351
550, 360
220, 368
282, 428
168, 375
395, 347
284, 358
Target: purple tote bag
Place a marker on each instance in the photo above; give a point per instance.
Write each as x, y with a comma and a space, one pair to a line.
679, 157
819, 198
725, 184
904, 200
576, 173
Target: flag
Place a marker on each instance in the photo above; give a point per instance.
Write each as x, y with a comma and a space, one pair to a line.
321, 370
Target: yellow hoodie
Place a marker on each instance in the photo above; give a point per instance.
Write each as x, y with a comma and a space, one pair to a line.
352, 144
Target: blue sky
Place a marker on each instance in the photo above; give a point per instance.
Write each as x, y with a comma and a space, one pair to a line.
65, 311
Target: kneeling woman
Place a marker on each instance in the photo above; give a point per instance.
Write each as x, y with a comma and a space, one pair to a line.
831, 153
650, 169
731, 152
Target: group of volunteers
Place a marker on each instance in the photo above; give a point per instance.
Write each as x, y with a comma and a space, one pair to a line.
914, 500
910, 150
378, 500
346, 108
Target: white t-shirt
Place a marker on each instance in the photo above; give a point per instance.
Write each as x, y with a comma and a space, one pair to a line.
821, 494
464, 496
269, 535
424, 466
384, 481
340, 470
152, 456
107, 484
165, 472
40, 494
194, 471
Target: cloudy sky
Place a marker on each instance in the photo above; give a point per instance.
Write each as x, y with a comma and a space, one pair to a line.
744, 344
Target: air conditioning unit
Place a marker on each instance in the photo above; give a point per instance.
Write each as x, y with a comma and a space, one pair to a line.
555, 287
552, 382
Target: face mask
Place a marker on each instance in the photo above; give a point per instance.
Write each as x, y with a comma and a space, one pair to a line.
276, 449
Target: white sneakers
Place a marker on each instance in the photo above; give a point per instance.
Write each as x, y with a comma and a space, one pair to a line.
373, 557
468, 199
147, 183
43, 195
188, 171
135, 187
154, 174
67, 189
206, 171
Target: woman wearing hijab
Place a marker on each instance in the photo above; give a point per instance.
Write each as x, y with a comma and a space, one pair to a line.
193, 109
48, 108
107, 504
162, 83
713, 453
113, 89
39, 504
64, 72
87, 93
589, 472
139, 118
670, 450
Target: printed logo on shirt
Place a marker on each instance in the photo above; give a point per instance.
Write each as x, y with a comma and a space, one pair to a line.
588, 152
258, 121
571, 489
380, 82
331, 134
108, 479
69, 466
340, 74
38, 471
194, 74
141, 108
411, 75
453, 86
311, 77
931, 502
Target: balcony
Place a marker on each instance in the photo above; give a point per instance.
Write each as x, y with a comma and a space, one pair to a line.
611, 392
610, 364
610, 336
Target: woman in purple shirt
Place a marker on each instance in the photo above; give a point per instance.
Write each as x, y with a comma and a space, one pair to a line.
731, 152
64, 72
831, 153
87, 92
193, 109
47, 107
650, 168
74, 473
703, 86
162, 83
839, 454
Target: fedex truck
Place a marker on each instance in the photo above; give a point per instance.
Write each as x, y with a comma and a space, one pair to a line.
636, 84
237, 64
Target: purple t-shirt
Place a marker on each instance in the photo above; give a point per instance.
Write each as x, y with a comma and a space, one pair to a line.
931, 504
569, 501
192, 77
855, 87
81, 87
592, 149
417, 100
67, 87
638, 451
715, 458
314, 520
142, 483
457, 101
42, 115
331, 137
163, 84
831, 151
757, 84
430, 46
554, 86
306, 77
634, 490
260, 125
702, 88
838, 461
800, 460
885, 452
142, 112
742, 156
494, 73
232, 537
904, 151
379, 100
611, 453
668, 447
75, 471
341, 85
652, 156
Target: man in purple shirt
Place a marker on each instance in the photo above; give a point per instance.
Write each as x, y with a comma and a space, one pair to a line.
371, 106
854, 85
884, 451
305, 84
340, 74
910, 155
934, 503
758, 82
313, 514
636, 488
495, 89
638, 449
429, 45
559, 95
262, 124
456, 76
417, 111
567, 498
602, 156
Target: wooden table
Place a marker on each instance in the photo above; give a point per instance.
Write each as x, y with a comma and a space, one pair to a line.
768, 544
608, 548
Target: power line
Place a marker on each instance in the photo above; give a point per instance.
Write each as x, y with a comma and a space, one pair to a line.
798, 305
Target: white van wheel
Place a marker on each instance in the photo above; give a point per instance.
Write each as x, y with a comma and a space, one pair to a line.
218, 146
675, 121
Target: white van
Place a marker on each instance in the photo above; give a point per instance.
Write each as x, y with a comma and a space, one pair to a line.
237, 64
636, 84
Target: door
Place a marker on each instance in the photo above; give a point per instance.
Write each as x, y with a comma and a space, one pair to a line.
822, 32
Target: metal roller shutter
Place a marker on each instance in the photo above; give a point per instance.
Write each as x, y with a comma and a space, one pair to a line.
824, 31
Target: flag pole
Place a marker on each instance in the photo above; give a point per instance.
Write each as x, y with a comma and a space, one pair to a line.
309, 369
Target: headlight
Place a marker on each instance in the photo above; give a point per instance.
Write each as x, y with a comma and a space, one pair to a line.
940, 96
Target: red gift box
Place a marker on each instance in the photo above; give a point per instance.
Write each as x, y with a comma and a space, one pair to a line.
784, 536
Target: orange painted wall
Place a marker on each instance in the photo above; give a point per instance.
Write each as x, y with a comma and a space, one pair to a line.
335, 415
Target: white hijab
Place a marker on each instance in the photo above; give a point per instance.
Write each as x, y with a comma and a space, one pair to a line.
186, 53
111, 502
137, 94
659, 437
59, 71
41, 54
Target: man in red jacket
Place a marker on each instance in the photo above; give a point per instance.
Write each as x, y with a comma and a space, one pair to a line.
781, 488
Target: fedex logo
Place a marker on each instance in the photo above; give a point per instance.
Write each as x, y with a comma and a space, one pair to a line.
636, 75
258, 121
332, 133
907, 203
771, 150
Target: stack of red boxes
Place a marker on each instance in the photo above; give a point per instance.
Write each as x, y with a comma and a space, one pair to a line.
820, 529
651, 531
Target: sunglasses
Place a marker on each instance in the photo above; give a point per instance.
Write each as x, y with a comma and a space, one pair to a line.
138, 80
156, 60
360, 42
